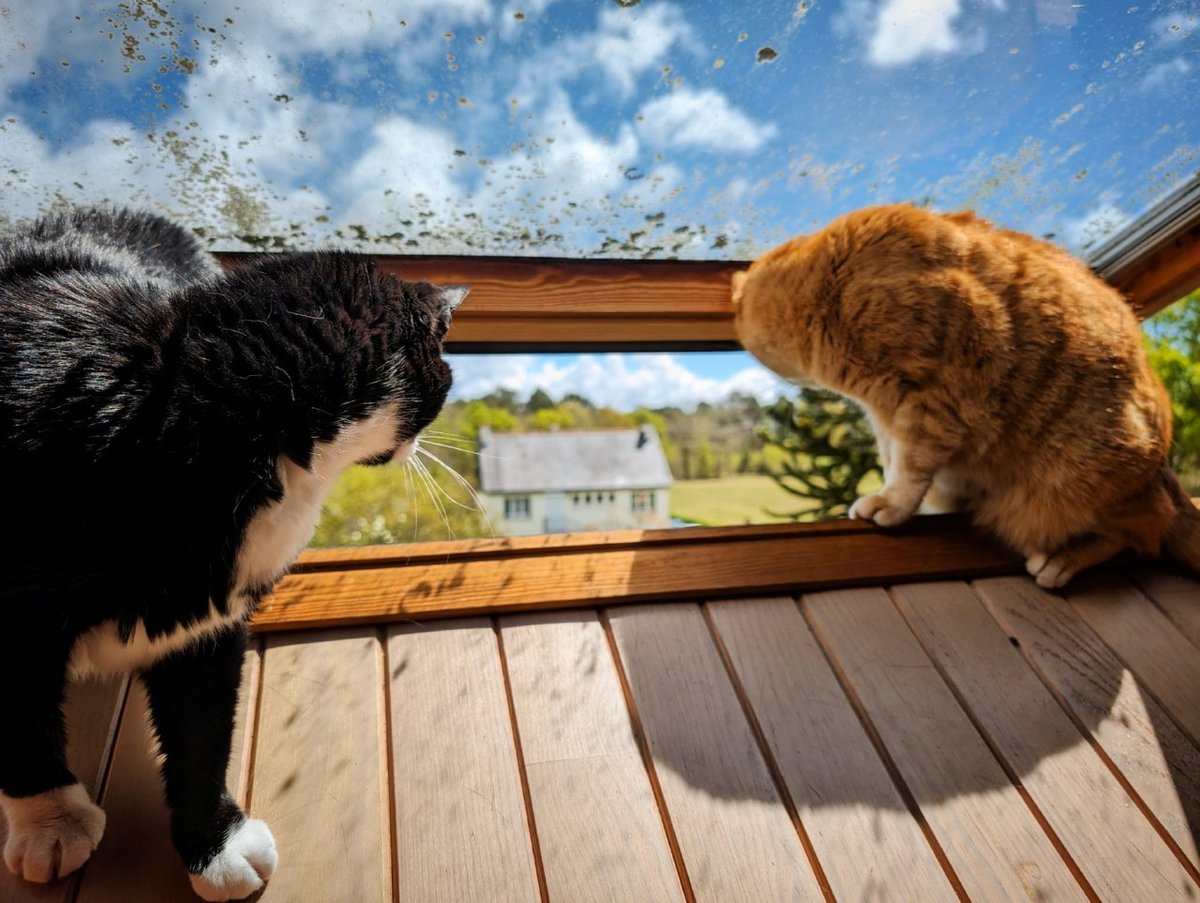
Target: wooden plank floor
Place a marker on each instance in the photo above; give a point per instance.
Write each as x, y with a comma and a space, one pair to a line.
983, 741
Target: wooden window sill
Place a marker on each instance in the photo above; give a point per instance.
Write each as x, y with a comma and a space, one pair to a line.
332, 587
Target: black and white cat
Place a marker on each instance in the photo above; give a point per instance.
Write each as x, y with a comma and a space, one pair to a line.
167, 434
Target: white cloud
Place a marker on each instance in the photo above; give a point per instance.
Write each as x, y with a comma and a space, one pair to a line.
111, 159
906, 31
259, 145
301, 26
23, 37
899, 32
1057, 13
1087, 232
1166, 75
405, 159
630, 42
621, 381
1176, 26
706, 119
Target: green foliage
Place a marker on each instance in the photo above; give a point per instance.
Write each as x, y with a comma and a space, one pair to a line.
828, 451
480, 413
393, 503
539, 401
396, 503
1173, 346
551, 418
713, 441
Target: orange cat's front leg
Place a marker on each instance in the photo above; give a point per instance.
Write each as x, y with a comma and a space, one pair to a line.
900, 496
912, 451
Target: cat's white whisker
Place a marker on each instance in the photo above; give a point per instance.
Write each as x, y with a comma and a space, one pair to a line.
412, 499
468, 451
453, 473
431, 486
479, 506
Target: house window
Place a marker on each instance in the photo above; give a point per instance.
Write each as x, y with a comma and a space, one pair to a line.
643, 502
516, 507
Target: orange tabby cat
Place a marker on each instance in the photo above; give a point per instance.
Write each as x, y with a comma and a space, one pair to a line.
998, 373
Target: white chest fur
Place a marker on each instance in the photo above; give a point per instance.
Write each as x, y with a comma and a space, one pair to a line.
273, 539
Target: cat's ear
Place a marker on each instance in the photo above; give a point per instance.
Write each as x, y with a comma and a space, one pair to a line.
738, 283
449, 297
452, 296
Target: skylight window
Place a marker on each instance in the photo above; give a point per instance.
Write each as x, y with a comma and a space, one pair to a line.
633, 129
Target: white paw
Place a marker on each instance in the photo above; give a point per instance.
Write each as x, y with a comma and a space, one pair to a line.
51, 834
244, 863
1049, 571
878, 508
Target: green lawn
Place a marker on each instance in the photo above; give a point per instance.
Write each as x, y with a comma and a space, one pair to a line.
742, 499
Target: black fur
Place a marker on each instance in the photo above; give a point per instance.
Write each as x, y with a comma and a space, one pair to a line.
145, 397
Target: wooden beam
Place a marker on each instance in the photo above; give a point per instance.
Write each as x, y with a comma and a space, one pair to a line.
544, 304
422, 582
1164, 276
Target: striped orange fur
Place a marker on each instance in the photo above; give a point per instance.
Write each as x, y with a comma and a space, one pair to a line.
999, 374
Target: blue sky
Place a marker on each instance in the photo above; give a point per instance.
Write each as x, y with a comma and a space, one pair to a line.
657, 128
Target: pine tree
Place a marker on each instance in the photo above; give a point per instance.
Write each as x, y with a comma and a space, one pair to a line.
829, 449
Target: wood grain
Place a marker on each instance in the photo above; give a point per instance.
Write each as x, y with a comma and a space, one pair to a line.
241, 748
568, 577
546, 287
461, 831
531, 301
405, 554
631, 332
527, 302
319, 769
1119, 852
136, 859
1177, 594
93, 711
1157, 759
581, 757
868, 843
1161, 657
992, 840
736, 838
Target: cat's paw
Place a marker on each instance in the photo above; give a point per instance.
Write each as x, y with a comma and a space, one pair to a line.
1050, 571
878, 507
51, 834
246, 861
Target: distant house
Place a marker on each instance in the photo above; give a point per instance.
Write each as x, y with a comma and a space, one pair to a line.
572, 480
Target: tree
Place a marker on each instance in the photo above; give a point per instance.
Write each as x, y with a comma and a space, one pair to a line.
578, 399
827, 451
1173, 346
540, 400
502, 398
480, 413
391, 503
551, 418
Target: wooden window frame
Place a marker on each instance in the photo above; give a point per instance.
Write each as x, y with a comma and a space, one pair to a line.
522, 304
540, 304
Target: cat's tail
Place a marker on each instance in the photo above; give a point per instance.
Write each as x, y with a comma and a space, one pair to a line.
1182, 541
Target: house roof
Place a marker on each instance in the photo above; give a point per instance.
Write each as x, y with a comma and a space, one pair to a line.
569, 460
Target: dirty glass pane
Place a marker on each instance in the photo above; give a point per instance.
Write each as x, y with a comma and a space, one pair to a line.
531, 444
624, 128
